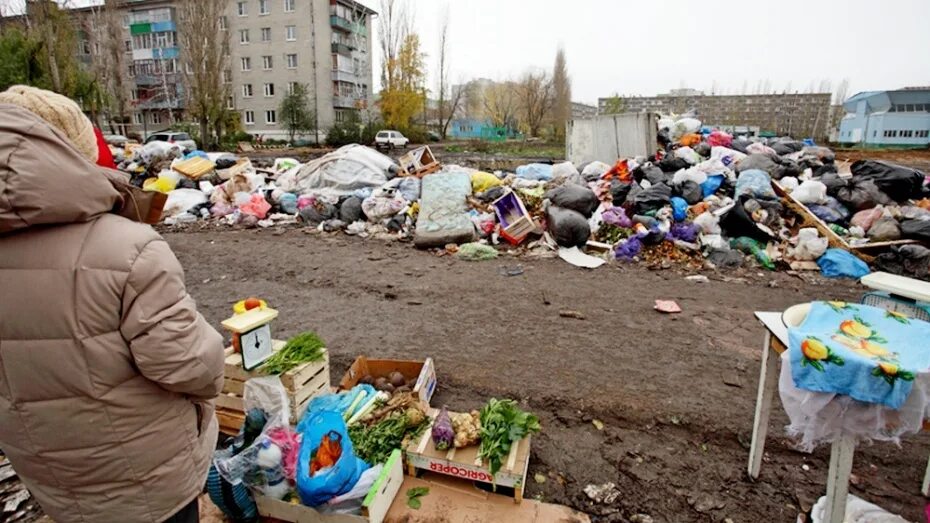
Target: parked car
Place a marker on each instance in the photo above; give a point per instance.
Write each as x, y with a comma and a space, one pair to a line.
390, 140
116, 140
433, 136
182, 139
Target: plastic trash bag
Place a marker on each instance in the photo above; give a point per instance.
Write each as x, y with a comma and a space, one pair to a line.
751, 246
720, 139
617, 217
288, 203
351, 502
909, 260
166, 181
736, 222
535, 171
482, 181
692, 174
711, 185
859, 194
569, 228
759, 148
810, 245
915, 229
866, 218
409, 188
690, 191
885, 229
650, 172
684, 126
672, 164
256, 206
810, 191
679, 208
690, 139
628, 249
652, 199
594, 171
789, 183
837, 263
687, 154
574, 197
182, 200
476, 252
564, 170
327, 465
728, 157
378, 208
708, 222
898, 182
620, 191
783, 146
351, 210
831, 211
762, 162
755, 183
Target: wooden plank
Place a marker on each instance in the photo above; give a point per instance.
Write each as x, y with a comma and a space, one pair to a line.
249, 320
841, 460
768, 381
230, 402
194, 167
297, 377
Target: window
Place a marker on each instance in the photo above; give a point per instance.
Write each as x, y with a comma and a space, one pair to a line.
246, 63
267, 63
247, 90
170, 65
156, 118
227, 76
243, 36
85, 47
874, 134
271, 117
229, 102
138, 118
242, 8
266, 34
249, 117
292, 61
290, 33
224, 25
288, 6
269, 89
128, 45
188, 69
263, 7
291, 87
924, 134
909, 108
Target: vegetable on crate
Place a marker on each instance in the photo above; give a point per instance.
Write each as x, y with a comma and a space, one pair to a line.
303, 348
443, 433
467, 428
374, 443
503, 424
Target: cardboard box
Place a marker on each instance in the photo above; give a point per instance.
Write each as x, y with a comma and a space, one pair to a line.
301, 383
464, 463
374, 508
516, 223
424, 370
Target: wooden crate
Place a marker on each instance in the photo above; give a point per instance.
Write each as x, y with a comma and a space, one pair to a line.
374, 508
301, 383
419, 162
464, 463
425, 372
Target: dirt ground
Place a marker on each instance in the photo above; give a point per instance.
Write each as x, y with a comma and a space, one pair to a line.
675, 393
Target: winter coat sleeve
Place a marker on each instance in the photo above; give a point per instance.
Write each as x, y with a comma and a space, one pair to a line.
170, 341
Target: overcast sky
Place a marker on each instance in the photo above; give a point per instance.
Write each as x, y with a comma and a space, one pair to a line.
648, 47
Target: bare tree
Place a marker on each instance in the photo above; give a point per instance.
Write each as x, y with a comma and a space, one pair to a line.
393, 30
500, 103
536, 97
824, 86
109, 60
841, 91
562, 93
205, 53
449, 99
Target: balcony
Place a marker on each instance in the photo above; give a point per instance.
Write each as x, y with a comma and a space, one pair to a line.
342, 48
156, 79
342, 76
150, 105
341, 23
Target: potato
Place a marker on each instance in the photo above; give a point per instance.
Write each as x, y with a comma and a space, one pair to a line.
367, 379
381, 384
402, 388
388, 388
397, 379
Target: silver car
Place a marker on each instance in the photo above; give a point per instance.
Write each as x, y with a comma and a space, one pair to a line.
181, 139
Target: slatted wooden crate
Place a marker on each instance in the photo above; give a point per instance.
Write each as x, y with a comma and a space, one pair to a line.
301, 383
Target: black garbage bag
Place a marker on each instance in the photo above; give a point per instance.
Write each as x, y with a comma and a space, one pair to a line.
786, 167
491, 194
740, 145
690, 191
649, 172
663, 139
672, 164
726, 259
823, 170
859, 195
760, 161
619, 191
225, 162
703, 149
783, 146
574, 197
568, 227
834, 181
915, 229
351, 210
906, 260
898, 182
652, 199
736, 222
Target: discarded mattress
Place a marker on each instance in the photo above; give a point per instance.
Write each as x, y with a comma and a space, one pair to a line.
340, 172
443, 217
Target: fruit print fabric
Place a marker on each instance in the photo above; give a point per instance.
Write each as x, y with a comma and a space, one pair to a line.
867, 353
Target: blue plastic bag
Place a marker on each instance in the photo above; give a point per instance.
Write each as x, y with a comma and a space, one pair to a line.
837, 263
332, 481
679, 208
756, 183
710, 186
535, 171
198, 153
335, 403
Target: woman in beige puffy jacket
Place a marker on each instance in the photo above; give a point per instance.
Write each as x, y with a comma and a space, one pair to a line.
107, 371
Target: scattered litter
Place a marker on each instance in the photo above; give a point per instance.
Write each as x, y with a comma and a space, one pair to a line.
539, 478
565, 313
598, 424
667, 306
698, 278
577, 258
604, 494
514, 270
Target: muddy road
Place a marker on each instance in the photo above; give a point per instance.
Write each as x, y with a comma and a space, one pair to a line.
675, 393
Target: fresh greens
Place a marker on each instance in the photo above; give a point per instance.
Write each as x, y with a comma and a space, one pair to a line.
303, 348
502, 424
375, 443
414, 495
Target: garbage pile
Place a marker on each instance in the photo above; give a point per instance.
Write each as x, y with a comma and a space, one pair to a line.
706, 198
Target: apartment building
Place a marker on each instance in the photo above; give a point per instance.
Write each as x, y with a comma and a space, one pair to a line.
800, 114
276, 44
273, 45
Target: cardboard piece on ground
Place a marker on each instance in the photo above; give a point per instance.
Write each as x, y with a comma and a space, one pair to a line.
194, 167
455, 501
577, 258
667, 306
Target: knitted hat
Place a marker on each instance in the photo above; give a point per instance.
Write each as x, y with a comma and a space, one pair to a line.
59, 111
